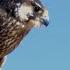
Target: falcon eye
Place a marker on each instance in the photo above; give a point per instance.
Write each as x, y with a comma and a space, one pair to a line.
37, 9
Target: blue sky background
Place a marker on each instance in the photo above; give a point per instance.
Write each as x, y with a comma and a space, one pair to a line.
46, 48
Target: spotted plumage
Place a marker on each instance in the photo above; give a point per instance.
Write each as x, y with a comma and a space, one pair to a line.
17, 18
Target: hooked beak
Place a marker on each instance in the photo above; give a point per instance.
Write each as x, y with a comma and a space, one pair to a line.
45, 18
45, 22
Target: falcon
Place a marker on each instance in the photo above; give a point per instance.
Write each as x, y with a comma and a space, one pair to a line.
17, 18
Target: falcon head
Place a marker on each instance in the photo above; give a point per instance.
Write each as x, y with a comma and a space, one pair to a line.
19, 12
32, 10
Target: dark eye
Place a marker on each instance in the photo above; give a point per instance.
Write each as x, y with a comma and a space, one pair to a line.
37, 9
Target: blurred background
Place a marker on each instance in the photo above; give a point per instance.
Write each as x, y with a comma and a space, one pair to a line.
45, 48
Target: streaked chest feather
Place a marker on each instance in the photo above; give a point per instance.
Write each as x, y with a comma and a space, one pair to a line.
11, 33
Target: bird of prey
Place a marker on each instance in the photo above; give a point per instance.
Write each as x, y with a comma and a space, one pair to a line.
17, 18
